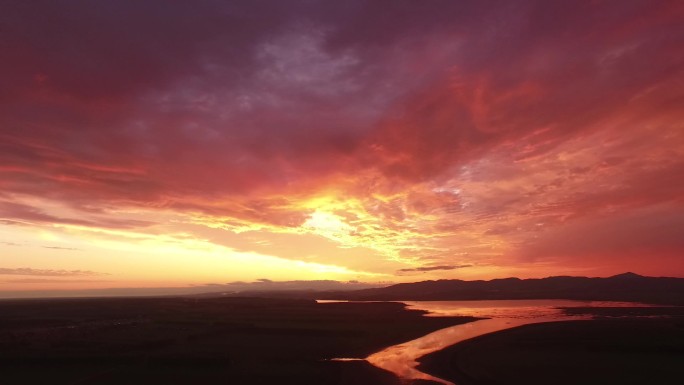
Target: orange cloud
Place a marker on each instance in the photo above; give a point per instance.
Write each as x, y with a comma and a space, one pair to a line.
347, 140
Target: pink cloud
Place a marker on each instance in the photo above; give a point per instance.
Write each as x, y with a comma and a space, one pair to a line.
474, 130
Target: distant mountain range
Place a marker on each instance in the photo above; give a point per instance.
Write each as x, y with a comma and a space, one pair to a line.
622, 287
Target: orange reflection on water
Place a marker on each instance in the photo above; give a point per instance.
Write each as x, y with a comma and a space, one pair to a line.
402, 359
530, 308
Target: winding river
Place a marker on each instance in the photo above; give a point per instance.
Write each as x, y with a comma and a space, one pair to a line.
402, 359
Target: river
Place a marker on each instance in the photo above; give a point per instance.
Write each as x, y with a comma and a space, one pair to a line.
402, 359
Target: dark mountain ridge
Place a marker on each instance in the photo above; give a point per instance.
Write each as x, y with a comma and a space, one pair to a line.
621, 287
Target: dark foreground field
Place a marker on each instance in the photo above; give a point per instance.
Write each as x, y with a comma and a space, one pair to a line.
200, 341
604, 351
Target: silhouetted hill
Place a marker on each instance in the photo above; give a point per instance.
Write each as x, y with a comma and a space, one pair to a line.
622, 287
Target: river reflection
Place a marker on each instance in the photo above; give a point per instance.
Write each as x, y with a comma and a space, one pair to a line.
531, 308
402, 359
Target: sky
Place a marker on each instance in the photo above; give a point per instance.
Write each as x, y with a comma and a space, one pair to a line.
194, 143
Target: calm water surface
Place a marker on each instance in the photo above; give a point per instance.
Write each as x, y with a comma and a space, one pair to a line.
402, 359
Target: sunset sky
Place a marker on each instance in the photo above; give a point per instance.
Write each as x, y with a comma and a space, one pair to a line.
179, 143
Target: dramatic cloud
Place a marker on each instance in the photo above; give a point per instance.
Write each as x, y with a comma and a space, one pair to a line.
307, 140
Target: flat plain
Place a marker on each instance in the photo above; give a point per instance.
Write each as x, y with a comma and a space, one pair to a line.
201, 341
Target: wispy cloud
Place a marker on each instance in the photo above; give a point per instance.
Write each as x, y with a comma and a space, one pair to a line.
433, 268
48, 280
60, 248
264, 284
48, 272
18, 213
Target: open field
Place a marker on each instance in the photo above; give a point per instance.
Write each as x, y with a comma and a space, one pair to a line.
200, 341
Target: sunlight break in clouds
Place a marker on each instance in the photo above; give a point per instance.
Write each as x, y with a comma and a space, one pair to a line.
356, 140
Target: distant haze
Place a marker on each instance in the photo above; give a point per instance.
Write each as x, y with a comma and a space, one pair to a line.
233, 288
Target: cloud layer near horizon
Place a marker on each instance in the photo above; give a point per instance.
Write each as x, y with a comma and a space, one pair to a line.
522, 138
49, 273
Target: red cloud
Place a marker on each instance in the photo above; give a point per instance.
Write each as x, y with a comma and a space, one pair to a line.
459, 125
